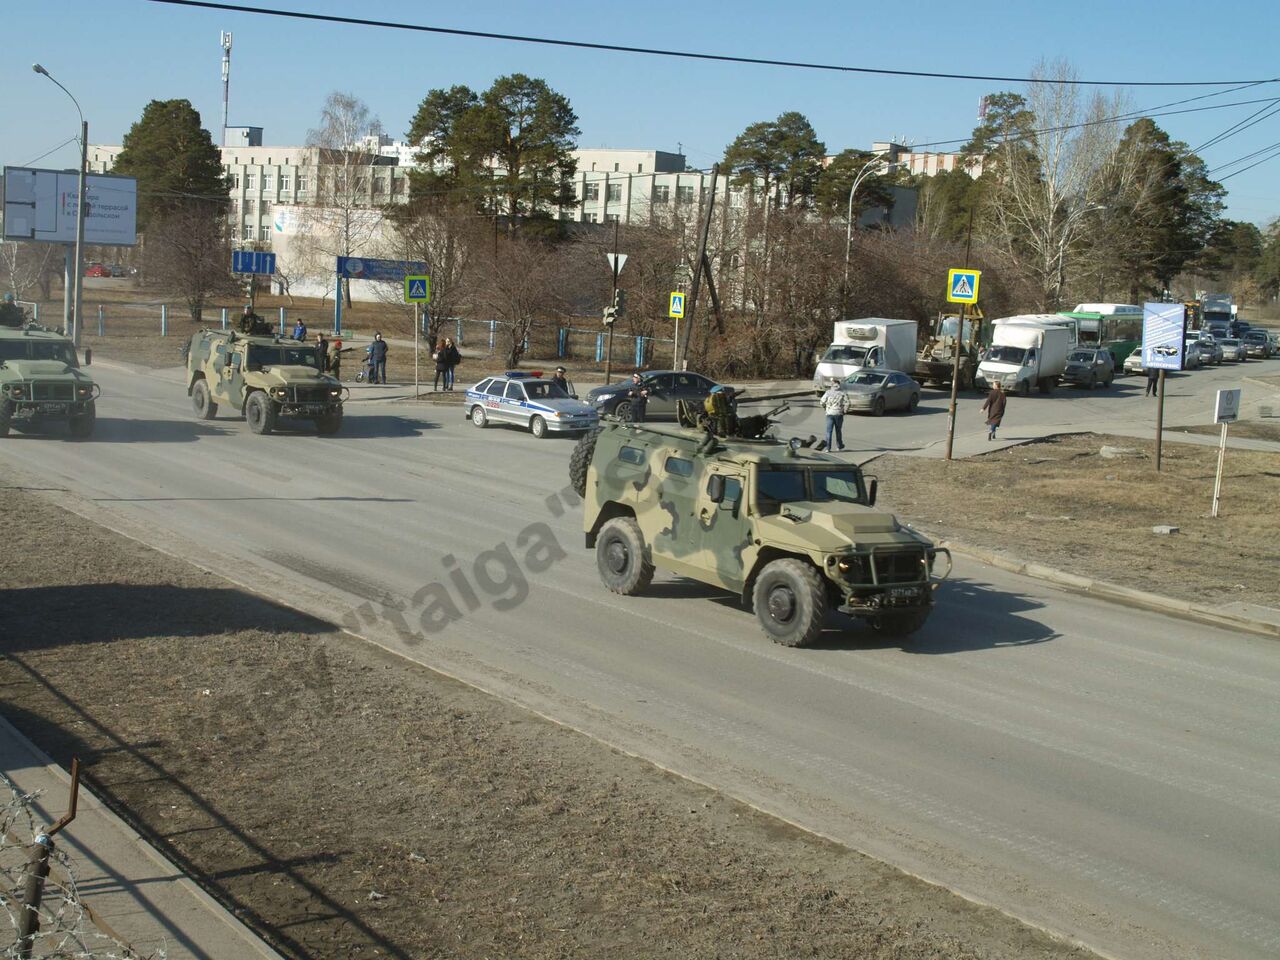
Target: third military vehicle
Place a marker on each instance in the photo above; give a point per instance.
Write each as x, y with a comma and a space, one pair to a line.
266, 378
789, 529
40, 378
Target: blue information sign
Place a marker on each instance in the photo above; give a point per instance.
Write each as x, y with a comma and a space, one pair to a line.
393, 271
1164, 327
253, 261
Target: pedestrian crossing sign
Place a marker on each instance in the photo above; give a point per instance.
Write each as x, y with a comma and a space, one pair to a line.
962, 285
417, 289
677, 306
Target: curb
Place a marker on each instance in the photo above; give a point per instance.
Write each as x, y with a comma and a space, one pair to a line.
1116, 593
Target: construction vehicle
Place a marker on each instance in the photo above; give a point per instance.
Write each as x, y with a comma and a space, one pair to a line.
935, 360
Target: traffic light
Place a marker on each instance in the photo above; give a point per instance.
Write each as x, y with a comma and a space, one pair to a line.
619, 302
610, 315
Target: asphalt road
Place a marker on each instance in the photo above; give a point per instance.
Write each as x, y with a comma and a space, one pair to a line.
1107, 773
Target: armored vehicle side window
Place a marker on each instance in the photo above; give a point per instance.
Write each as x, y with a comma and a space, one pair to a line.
678, 467
732, 492
495, 388
631, 455
514, 391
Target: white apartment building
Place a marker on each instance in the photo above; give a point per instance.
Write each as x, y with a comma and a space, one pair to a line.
927, 163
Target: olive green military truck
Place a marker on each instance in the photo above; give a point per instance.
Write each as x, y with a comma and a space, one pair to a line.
41, 380
789, 529
267, 379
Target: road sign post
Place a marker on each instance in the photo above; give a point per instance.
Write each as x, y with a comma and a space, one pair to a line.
676, 311
1164, 330
417, 289
962, 288
1226, 411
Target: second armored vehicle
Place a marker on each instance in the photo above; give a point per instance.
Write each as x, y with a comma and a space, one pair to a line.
266, 378
790, 530
41, 380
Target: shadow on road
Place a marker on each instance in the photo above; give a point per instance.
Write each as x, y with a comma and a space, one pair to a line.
116, 430
361, 427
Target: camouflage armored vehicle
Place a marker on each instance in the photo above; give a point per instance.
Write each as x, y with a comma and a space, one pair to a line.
265, 378
40, 378
791, 530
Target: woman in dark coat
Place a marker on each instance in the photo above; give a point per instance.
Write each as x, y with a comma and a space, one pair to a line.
994, 406
452, 359
442, 365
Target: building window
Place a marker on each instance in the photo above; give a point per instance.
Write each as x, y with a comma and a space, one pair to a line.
235, 208
379, 185
614, 192
591, 191
684, 194
266, 206
264, 234
661, 193
302, 184
591, 218
248, 233
639, 168
250, 181
610, 218
615, 168
235, 181
284, 183
250, 206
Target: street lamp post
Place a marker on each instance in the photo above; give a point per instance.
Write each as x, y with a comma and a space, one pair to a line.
82, 202
848, 230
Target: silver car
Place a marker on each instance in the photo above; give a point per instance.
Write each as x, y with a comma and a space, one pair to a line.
540, 406
1133, 362
1233, 350
875, 391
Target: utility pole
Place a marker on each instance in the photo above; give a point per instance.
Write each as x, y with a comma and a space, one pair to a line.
613, 299
700, 266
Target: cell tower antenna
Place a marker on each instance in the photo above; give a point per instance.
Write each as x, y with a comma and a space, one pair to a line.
226, 82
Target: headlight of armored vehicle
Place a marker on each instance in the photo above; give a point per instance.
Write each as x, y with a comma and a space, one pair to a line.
84, 391
334, 392
19, 391
280, 393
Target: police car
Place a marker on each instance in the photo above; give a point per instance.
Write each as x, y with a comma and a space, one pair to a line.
527, 400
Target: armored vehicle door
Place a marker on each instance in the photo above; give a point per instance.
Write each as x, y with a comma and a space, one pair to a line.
676, 538
722, 529
230, 384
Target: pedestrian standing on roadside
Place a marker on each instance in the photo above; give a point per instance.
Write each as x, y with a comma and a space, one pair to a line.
378, 359
335, 358
994, 406
441, 364
300, 331
638, 395
452, 359
835, 404
322, 353
1153, 382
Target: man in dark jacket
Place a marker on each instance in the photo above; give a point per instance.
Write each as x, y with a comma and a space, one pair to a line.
322, 353
561, 381
378, 360
1153, 382
639, 397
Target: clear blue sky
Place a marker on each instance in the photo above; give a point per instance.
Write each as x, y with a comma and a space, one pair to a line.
115, 55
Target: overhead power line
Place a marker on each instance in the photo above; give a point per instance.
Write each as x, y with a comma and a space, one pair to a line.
683, 54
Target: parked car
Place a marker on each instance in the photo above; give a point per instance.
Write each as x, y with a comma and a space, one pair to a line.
665, 388
1133, 362
1088, 368
97, 270
1211, 349
876, 391
118, 270
1257, 343
1233, 350
1192, 358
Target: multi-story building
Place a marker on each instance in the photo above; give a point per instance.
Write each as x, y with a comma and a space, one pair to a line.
927, 163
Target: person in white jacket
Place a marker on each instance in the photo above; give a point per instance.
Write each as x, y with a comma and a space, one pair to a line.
836, 405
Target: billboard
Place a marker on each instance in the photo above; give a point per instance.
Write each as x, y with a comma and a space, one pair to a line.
1164, 326
391, 271
41, 205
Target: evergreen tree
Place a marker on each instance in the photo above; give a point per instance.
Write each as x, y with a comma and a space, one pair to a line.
785, 152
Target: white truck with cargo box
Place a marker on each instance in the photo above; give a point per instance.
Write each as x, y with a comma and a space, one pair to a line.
1025, 355
870, 342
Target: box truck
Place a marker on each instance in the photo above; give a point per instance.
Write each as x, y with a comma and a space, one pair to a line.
870, 342
1025, 355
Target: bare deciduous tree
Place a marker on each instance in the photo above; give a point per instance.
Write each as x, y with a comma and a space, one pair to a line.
521, 286
188, 249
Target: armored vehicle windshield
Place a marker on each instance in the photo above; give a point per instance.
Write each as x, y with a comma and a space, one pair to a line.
261, 355
778, 484
25, 348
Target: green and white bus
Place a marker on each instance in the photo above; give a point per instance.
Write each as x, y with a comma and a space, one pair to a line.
1115, 327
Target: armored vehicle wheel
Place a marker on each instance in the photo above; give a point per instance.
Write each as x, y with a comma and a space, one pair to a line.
901, 624
82, 426
478, 416
624, 564
538, 427
202, 400
790, 602
330, 423
6, 416
260, 412
877, 408
583, 450
623, 410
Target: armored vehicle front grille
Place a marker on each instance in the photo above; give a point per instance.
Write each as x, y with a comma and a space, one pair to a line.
311, 394
901, 567
53, 391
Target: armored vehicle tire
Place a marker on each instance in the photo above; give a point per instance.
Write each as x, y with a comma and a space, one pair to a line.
330, 423
901, 624
202, 400
260, 412
580, 460
624, 564
82, 425
6, 416
790, 601
478, 416
877, 408
623, 410
538, 427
